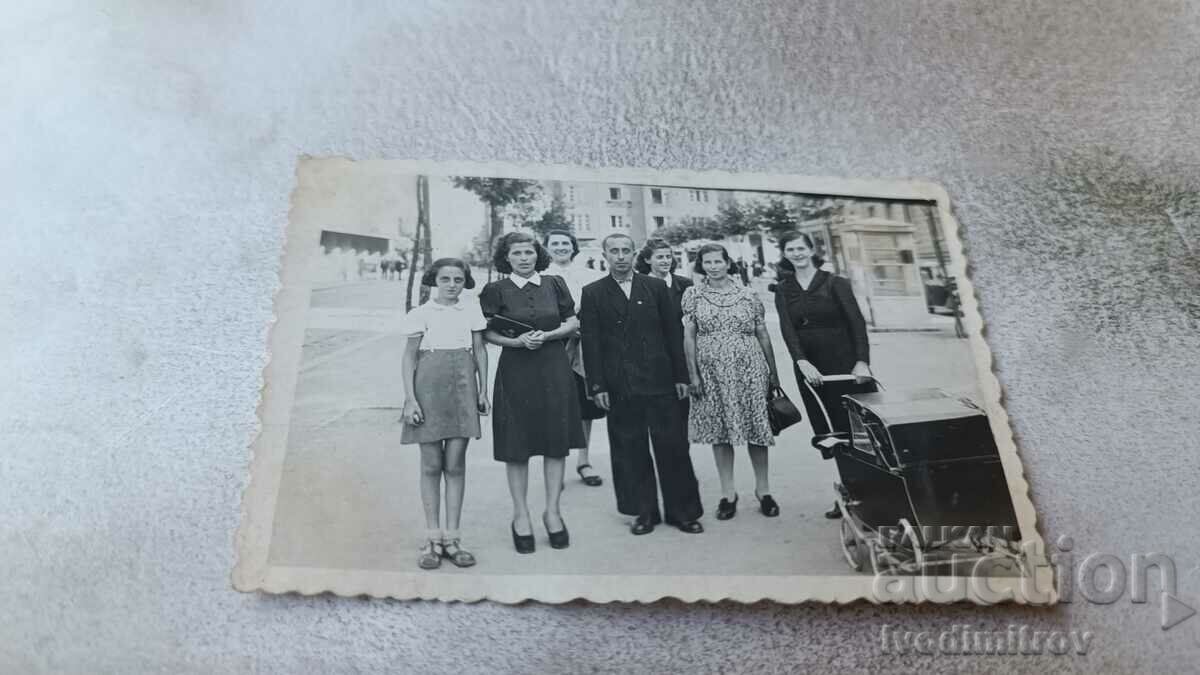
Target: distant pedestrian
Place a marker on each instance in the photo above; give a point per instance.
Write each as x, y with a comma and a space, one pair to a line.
537, 405
732, 368
825, 334
445, 376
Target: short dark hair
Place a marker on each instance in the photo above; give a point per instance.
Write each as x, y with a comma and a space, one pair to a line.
505, 242
429, 278
785, 265
615, 235
563, 233
642, 264
698, 266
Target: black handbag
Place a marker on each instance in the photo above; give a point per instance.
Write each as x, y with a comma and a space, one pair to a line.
781, 412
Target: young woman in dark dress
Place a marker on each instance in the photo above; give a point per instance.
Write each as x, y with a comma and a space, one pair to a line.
825, 334
535, 404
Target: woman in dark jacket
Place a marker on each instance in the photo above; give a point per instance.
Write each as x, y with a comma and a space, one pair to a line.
657, 259
825, 335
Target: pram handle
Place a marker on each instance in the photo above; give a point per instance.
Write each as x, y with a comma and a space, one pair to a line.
848, 378
834, 378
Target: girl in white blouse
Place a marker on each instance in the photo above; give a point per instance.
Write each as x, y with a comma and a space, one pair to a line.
445, 379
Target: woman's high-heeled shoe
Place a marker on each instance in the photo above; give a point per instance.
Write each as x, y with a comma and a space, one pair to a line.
767, 505
727, 509
560, 539
522, 542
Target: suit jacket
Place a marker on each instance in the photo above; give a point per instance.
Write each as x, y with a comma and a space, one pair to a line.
631, 346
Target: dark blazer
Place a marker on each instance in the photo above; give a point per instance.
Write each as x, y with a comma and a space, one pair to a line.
678, 286
634, 346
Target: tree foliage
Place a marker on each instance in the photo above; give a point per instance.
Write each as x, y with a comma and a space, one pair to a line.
772, 217
679, 233
555, 218
498, 193
733, 219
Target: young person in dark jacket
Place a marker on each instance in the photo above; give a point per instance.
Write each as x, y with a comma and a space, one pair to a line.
633, 357
657, 259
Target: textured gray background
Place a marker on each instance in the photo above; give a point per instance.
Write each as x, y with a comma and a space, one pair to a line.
147, 163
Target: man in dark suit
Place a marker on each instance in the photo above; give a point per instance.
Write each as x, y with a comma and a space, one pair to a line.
633, 355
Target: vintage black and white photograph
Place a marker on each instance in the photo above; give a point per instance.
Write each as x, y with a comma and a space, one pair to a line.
556, 384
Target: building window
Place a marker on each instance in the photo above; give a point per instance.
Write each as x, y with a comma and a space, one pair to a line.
698, 195
587, 221
617, 221
656, 196
659, 221
887, 264
871, 211
614, 193
571, 193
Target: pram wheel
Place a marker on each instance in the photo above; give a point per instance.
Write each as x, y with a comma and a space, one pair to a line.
853, 547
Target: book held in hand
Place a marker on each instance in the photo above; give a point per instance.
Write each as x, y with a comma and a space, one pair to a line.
509, 328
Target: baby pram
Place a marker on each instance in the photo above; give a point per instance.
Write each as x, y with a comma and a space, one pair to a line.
921, 488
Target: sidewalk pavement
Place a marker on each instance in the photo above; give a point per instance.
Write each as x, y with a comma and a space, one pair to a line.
349, 496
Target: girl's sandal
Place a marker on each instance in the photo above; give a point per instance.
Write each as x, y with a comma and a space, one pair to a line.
456, 554
429, 558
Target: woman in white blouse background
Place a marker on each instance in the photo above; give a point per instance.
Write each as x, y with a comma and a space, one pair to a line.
563, 247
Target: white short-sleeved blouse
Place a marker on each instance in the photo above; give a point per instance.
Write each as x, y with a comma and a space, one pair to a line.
444, 326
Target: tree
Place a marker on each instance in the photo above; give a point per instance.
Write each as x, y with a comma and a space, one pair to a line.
497, 193
734, 220
553, 219
421, 242
680, 233
772, 217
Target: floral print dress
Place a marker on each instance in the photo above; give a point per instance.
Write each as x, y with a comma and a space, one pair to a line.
732, 367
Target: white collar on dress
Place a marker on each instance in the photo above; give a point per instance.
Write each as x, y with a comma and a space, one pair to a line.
520, 281
439, 307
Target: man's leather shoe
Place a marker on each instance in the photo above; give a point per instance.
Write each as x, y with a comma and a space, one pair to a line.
689, 526
643, 525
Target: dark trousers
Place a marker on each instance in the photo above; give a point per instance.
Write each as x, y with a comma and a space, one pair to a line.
634, 423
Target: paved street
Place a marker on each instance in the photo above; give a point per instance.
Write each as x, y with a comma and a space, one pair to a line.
349, 496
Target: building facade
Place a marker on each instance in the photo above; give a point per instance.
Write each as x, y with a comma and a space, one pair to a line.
597, 210
889, 250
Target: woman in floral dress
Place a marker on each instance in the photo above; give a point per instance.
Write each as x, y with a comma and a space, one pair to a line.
732, 368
